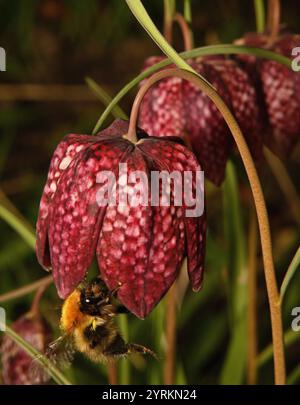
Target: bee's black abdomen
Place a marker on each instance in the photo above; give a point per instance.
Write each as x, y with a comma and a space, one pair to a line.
116, 347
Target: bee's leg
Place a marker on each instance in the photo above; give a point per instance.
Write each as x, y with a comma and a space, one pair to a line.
116, 348
135, 348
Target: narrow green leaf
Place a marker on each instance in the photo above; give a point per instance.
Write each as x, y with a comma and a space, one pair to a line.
294, 265
169, 9
180, 375
294, 376
187, 10
187, 13
265, 355
203, 51
124, 363
117, 111
143, 18
157, 325
259, 15
235, 360
19, 224
56, 374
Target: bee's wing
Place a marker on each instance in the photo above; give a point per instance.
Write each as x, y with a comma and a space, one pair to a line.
60, 353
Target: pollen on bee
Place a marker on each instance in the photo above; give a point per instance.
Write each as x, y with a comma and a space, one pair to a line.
71, 315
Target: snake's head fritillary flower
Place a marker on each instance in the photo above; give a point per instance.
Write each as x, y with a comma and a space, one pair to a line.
279, 87
140, 245
176, 107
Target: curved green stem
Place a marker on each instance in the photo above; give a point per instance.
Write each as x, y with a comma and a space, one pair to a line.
185, 30
203, 51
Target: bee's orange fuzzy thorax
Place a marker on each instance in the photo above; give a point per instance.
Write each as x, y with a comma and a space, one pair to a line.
71, 314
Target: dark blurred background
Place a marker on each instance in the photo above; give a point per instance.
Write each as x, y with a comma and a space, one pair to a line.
55, 42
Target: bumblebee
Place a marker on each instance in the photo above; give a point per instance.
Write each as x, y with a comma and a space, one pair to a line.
87, 323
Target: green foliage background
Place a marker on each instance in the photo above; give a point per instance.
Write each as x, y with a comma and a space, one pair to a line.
61, 42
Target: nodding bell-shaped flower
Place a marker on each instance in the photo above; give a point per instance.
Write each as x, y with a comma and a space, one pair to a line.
140, 244
279, 87
177, 107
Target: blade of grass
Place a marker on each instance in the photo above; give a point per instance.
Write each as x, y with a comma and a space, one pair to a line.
54, 372
11, 215
265, 355
260, 15
294, 265
169, 11
117, 111
235, 361
294, 376
124, 363
157, 318
187, 13
180, 375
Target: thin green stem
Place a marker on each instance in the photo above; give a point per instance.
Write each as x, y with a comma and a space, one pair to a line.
187, 13
117, 111
170, 362
294, 265
169, 11
54, 372
260, 15
273, 19
26, 289
124, 363
203, 51
112, 373
233, 369
185, 31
